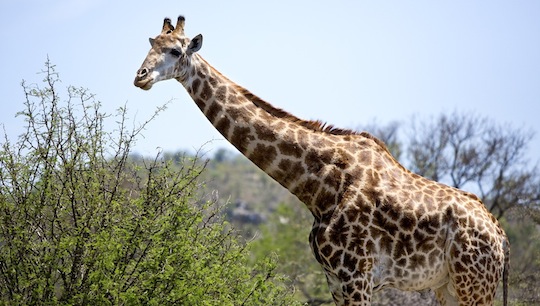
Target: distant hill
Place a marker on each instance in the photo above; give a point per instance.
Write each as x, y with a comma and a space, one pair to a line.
250, 194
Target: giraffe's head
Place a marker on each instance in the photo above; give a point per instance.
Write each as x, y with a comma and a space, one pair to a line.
169, 56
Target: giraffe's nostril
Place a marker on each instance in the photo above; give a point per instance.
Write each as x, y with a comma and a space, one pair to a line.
142, 73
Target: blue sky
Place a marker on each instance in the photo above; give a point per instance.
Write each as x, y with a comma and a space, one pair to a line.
345, 62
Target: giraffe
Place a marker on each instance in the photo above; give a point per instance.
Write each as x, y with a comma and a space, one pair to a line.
376, 224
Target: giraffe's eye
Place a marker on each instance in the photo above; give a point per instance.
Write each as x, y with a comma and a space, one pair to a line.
175, 52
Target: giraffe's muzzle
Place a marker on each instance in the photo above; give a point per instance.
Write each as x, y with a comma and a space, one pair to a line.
142, 80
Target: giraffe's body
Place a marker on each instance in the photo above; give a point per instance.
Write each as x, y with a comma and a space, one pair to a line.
376, 224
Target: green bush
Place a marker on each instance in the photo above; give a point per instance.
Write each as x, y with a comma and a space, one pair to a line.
83, 222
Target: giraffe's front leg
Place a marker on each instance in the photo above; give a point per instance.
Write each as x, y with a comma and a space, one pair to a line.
349, 290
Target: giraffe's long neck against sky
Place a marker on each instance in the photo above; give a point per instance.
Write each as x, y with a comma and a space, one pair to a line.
271, 138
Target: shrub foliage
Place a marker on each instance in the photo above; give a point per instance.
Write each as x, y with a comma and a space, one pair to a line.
82, 222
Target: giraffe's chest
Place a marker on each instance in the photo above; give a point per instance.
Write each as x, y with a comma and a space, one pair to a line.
314, 242
335, 246
388, 260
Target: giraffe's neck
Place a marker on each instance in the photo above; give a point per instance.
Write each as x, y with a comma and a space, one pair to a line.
288, 149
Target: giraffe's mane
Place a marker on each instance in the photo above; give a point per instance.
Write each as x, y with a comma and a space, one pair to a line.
314, 125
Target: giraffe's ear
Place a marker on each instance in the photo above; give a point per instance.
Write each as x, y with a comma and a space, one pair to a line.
195, 44
151, 40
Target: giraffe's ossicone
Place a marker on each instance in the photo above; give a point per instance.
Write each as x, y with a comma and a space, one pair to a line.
376, 224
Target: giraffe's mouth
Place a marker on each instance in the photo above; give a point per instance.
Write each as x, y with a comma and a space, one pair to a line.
144, 84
